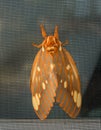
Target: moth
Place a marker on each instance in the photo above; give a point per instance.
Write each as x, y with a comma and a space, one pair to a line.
54, 78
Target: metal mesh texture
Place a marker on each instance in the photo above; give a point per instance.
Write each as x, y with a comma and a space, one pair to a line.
78, 20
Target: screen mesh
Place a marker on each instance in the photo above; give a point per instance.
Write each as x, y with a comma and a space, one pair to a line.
78, 20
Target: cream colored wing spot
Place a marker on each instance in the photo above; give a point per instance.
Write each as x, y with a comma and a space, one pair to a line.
68, 67
65, 84
79, 100
37, 99
34, 102
43, 49
75, 96
46, 82
43, 86
61, 81
38, 68
52, 66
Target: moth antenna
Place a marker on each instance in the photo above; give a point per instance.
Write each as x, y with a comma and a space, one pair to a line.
44, 34
56, 32
36, 45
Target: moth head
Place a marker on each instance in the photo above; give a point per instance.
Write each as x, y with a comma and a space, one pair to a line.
51, 42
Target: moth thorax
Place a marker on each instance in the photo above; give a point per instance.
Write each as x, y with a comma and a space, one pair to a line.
52, 44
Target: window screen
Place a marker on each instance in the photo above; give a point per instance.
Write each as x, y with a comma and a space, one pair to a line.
79, 21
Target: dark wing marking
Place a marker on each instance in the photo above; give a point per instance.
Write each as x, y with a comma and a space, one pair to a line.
68, 92
43, 84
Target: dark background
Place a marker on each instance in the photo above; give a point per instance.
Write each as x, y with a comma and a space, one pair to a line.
78, 20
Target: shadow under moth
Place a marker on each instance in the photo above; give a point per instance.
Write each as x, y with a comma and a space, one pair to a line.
54, 78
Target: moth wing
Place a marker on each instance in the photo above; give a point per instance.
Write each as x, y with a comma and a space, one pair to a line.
43, 84
68, 92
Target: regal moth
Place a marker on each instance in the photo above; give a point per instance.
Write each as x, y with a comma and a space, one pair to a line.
54, 78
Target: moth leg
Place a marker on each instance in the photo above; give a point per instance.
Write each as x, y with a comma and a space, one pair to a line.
36, 45
65, 43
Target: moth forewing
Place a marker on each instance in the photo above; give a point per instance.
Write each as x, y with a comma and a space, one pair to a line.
42, 89
69, 85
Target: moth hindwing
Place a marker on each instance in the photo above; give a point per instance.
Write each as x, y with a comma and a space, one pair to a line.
54, 78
